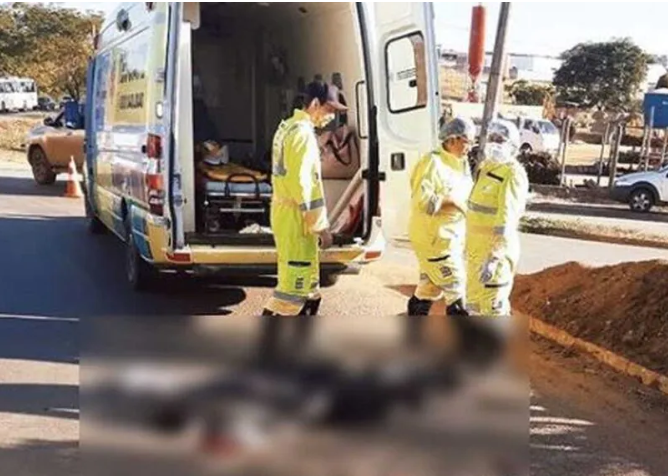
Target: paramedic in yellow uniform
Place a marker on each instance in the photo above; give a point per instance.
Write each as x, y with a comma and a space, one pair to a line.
496, 205
298, 210
440, 186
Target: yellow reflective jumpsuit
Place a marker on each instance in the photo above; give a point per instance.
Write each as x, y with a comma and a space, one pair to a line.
437, 232
298, 214
496, 205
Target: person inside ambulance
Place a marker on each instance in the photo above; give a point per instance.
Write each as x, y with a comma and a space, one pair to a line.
440, 186
497, 203
299, 213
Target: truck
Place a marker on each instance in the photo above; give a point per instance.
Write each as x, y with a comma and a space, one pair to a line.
167, 78
52, 145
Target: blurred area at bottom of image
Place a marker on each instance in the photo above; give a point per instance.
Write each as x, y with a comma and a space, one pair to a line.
204, 396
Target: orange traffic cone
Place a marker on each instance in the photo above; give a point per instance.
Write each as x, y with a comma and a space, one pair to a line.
73, 189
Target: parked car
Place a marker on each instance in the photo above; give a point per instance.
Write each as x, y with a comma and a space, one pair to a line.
642, 190
50, 147
45, 103
539, 135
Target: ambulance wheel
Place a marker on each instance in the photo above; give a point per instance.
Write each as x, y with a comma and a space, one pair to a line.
329, 279
93, 224
140, 275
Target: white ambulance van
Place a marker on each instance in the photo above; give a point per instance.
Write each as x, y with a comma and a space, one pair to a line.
170, 82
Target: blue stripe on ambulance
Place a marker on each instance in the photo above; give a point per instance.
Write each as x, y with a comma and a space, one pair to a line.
140, 232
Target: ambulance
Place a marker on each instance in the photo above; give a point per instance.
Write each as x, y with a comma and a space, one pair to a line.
182, 103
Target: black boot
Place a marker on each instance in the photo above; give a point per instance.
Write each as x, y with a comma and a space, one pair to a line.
270, 326
418, 309
305, 323
456, 309
480, 343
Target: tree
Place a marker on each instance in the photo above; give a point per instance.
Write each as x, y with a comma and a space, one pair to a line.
663, 82
49, 44
604, 75
527, 94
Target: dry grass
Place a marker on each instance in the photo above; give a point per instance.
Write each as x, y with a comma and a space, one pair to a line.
13, 131
12, 157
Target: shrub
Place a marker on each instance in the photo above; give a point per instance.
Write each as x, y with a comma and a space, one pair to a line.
541, 168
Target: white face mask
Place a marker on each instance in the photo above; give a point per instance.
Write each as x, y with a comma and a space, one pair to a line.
498, 152
325, 120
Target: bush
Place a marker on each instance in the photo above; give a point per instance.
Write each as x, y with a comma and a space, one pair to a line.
541, 168
629, 158
636, 141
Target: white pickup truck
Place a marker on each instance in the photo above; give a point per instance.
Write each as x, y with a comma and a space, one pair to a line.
642, 190
539, 135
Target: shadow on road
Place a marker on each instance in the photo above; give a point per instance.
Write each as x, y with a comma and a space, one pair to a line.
54, 274
597, 211
26, 186
52, 268
34, 457
61, 401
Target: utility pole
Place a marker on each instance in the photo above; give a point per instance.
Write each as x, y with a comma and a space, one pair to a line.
495, 83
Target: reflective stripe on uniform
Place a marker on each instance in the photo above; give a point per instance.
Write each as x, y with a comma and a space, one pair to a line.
494, 230
474, 207
292, 298
314, 205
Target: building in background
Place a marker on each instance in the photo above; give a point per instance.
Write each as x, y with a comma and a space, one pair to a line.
455, 81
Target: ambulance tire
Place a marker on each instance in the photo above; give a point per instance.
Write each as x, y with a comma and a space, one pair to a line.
93, 224
141, 275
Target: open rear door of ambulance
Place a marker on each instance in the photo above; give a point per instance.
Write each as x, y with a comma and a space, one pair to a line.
406, 82
172, 114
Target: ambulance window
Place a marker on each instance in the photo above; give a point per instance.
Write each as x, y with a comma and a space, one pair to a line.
406, 73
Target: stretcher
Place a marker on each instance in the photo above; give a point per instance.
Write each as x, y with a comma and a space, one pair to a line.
234, 197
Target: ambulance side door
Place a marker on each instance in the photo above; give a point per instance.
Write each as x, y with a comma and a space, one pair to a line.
408, 102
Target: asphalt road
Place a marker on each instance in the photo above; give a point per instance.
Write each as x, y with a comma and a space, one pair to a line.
584, 421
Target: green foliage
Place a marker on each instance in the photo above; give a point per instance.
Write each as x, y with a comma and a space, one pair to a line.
541, 168
604, 75
527, 94
47, 43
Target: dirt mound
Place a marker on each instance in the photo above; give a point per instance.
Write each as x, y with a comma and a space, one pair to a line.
623, 308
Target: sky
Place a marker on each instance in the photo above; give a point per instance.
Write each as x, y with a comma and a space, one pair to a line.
550, 28
546, 28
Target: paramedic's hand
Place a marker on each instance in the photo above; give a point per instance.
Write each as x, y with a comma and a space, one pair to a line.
325, 239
